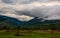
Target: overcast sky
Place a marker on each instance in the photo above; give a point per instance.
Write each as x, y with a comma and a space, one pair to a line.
27, 9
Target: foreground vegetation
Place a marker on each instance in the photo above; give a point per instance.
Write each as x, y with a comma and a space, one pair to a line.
35, 34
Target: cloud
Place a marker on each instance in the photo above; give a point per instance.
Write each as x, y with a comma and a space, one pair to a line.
7, 1
30, 8
25, 1
7, 10
43, 11
12, 13
20, 17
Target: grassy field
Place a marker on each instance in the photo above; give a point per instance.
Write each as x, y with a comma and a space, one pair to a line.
29, 35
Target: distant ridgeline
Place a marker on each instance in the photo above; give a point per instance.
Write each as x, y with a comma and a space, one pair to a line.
33, 24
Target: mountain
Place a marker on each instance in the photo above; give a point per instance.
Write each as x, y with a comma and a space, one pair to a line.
9, 21
5, 20
34, 21
52, 21
37, 20
37, 23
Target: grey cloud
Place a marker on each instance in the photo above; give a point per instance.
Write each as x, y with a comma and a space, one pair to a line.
25, 1
7, 10
18, 1
37, 11
7, 1
42, 12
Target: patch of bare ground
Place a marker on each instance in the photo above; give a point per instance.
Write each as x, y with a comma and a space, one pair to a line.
37, 31
48, 31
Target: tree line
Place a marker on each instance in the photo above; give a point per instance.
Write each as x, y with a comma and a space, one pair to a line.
45, 26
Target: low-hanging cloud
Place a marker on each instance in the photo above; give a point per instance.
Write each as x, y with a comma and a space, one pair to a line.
43, 11
32, 8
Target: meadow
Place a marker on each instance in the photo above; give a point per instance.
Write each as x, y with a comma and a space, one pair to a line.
35, 34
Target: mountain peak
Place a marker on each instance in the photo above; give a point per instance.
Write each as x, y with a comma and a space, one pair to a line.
11, 21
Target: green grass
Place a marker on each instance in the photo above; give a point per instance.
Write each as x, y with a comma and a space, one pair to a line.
29, 35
